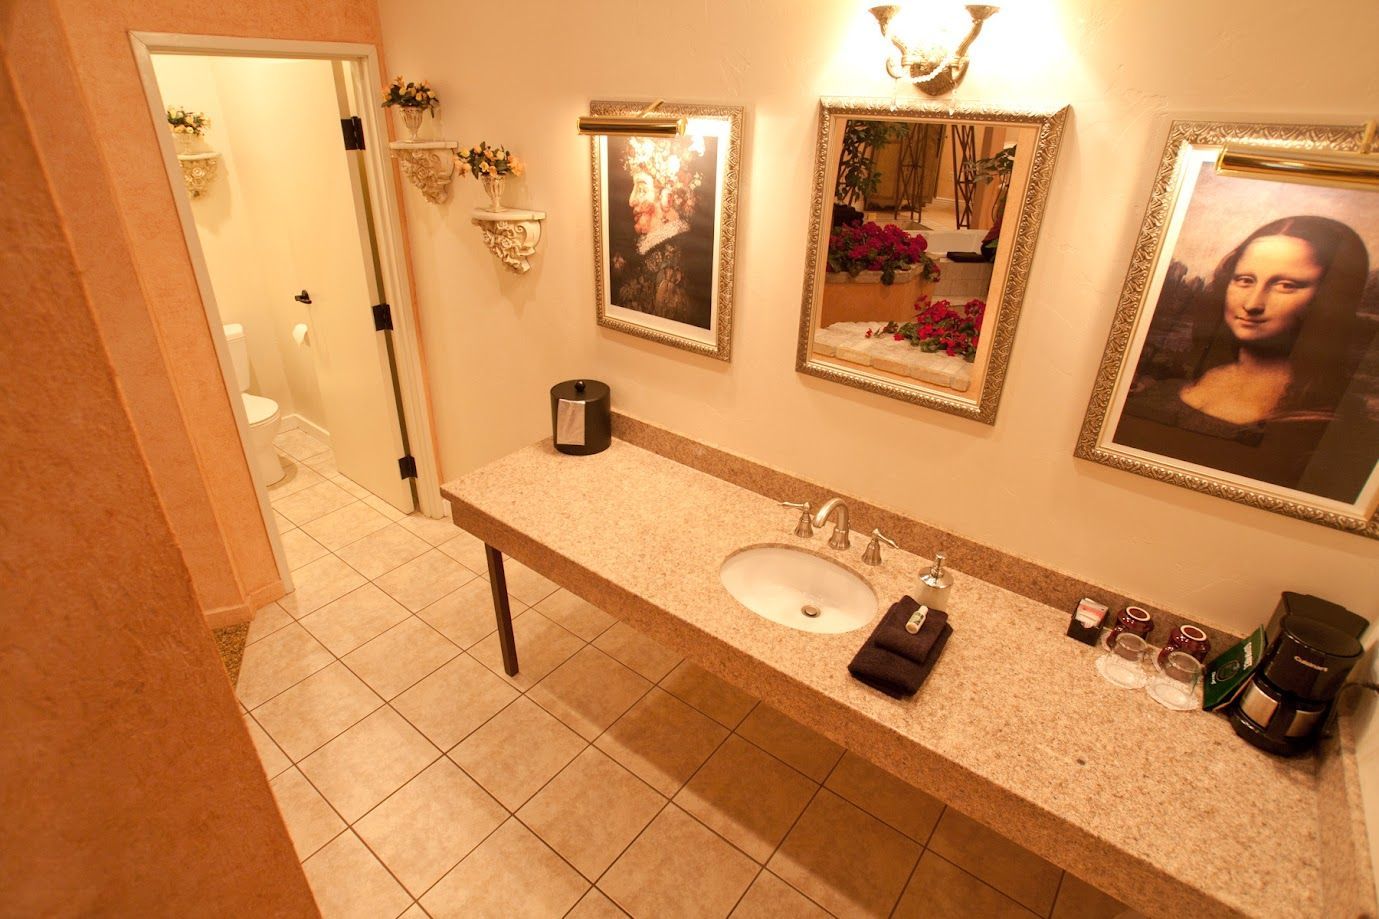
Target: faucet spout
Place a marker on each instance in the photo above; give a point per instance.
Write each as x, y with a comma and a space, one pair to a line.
835, 507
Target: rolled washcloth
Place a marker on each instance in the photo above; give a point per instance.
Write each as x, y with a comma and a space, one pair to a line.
894, 674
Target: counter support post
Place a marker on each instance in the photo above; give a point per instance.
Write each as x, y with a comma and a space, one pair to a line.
498, 583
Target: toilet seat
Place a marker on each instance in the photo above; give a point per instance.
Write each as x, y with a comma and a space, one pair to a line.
259, 409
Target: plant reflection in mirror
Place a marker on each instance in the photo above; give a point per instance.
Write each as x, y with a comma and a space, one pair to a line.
939, 327
858, 177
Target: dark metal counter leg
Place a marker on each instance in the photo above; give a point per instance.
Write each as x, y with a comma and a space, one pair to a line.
498, 582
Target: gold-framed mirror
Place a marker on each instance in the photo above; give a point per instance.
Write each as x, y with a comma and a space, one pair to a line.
921, 238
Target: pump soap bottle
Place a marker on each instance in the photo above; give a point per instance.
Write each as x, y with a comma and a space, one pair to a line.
936, 585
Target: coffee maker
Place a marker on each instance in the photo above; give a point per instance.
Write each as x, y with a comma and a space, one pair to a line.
1313, 645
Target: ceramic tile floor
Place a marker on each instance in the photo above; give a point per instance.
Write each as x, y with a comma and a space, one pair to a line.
609, 778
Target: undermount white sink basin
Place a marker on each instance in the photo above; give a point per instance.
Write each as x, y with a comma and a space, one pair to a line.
798, 589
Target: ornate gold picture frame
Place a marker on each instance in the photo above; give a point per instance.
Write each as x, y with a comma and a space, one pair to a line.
665, 219
1243, 360
1004, 154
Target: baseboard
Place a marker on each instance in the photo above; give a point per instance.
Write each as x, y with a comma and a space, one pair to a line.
298, 421
227, 616
265, 595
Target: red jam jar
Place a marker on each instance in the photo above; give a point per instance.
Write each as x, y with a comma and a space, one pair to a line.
1134, 620
1190, 640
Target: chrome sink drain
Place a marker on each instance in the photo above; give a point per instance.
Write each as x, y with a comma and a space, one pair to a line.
810, 610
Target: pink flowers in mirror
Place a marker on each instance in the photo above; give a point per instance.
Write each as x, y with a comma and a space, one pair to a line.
859, 247
937, 326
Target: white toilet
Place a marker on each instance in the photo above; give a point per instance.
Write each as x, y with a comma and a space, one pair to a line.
264, 417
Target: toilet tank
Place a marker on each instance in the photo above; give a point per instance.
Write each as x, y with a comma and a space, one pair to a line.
239, 353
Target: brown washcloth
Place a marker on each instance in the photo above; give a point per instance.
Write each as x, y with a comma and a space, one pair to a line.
891, 634
896, 676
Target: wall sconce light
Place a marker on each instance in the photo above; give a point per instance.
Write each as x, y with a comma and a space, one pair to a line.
639, 125
934, 68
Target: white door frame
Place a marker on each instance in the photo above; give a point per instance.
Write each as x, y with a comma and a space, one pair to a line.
387, 231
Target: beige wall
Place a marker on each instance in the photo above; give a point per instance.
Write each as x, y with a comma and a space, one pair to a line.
254, 106
129, 784
1015, 485
1124, 68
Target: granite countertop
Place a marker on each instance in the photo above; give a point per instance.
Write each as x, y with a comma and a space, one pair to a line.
1168, 811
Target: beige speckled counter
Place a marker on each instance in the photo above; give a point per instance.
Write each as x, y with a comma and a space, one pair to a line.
1168, 811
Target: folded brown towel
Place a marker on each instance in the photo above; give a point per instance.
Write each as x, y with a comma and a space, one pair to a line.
896, 676
899, 674
891, 634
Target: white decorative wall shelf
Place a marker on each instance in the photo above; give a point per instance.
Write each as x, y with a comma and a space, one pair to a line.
198, 169
429, 165
511, 234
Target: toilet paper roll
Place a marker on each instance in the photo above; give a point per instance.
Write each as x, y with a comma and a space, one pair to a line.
299, 333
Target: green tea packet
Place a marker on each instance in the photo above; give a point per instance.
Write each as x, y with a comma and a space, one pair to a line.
1226, 675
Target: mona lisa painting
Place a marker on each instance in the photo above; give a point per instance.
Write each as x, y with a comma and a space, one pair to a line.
1246, 356
664, 218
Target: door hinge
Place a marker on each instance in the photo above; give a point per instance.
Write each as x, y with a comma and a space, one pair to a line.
382, 317
353, 129
407, 467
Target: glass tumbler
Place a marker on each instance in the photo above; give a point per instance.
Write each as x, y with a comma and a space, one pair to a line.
1123, 662
1175, 685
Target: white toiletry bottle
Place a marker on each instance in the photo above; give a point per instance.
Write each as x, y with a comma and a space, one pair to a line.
935, 585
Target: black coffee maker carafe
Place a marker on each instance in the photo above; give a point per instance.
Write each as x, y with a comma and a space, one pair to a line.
1285, 704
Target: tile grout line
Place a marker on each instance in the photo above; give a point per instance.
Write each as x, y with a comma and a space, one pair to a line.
993, 887
1057, 892
368, 582
349, 826
909, 879
761, 869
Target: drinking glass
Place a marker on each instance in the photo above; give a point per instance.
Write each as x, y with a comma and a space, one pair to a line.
1175, 685
1123, 662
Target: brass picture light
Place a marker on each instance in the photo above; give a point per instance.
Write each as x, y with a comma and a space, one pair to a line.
1338, 170
644, 124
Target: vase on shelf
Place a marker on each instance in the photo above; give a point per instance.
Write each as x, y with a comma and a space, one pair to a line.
189, 143
493, 187
411, 119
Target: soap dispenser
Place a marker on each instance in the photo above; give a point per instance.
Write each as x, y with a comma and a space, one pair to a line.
935, 585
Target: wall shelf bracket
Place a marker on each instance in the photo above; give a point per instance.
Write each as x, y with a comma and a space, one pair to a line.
429, 165
198, 171
511, 234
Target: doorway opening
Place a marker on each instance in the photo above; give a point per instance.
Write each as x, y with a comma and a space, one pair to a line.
279, 165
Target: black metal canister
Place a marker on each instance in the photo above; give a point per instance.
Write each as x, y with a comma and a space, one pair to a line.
581, 417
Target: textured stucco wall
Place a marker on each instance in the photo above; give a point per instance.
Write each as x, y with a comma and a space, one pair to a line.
128, 782
147, 301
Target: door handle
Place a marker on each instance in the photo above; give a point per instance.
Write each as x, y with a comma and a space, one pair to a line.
303, 297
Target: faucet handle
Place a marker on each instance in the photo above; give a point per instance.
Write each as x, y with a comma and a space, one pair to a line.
872, 555
803, 529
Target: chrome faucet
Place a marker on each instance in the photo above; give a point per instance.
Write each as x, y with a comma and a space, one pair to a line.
839, 539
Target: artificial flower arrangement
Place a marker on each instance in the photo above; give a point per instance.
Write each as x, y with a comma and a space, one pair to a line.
185, 122
487, 162
406, 94
939, 327
859, 247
